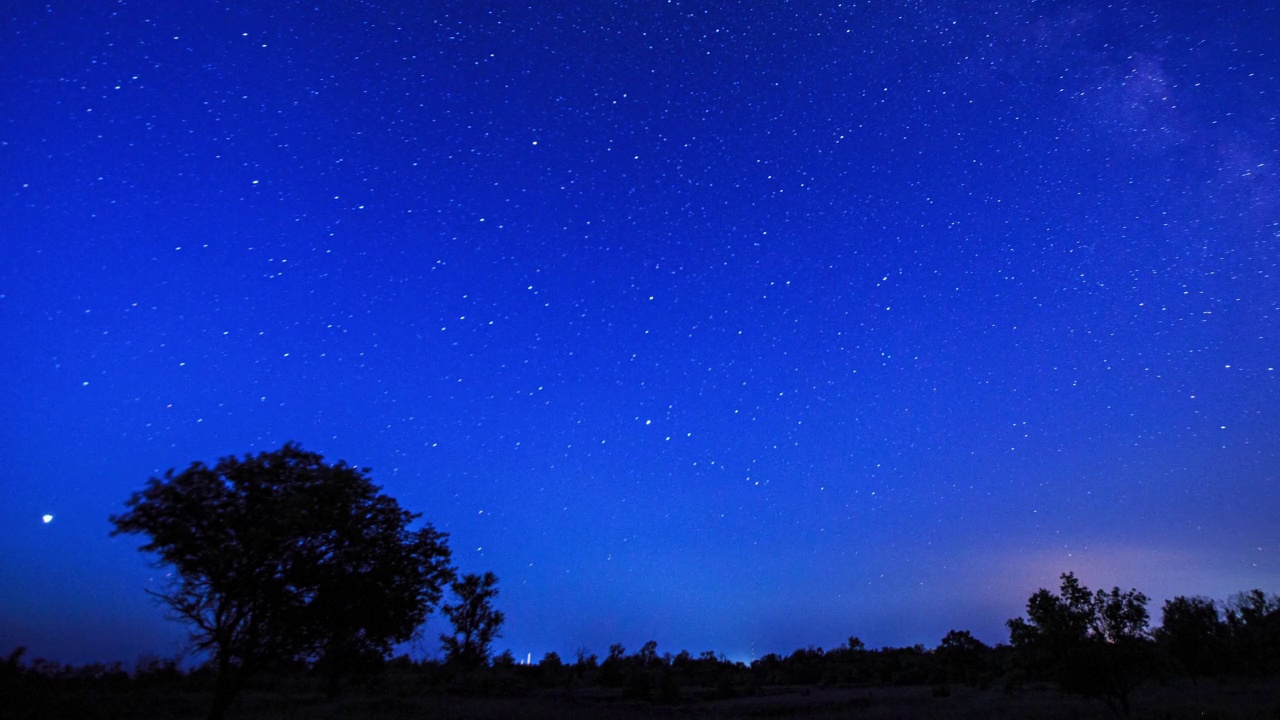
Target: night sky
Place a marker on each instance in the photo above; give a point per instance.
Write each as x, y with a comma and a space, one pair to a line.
735, 326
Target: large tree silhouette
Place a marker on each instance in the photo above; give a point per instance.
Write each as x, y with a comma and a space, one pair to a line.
283, 557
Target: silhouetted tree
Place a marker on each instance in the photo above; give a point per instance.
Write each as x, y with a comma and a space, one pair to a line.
282, 557
611, 668
1253, 619
552, 671
1092, 644
585, 659
648, 655
961, 657
11, 666
1192, 631
504, 659
476, 623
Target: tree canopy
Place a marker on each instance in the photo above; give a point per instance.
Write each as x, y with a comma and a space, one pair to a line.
281, 557
476, 622
1091, 643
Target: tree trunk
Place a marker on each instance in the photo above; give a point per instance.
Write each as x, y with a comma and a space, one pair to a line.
225, 686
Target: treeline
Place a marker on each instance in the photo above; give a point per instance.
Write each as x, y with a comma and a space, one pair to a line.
1204, 638
283, 565
683, 677
1096, 644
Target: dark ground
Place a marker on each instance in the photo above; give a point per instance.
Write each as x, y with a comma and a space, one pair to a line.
404, 698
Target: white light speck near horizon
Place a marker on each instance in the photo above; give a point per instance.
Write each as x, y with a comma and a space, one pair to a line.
47, 519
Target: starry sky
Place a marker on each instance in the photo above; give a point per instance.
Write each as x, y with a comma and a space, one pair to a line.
735, 326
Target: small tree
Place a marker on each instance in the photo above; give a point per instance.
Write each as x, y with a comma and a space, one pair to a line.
476, 623
585, 660
504, 659
611, 667
1093, 644
961, 657
11, 667
648, 655
282, 557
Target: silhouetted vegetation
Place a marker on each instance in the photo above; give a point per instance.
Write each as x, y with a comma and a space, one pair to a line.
282, 559
1091, 644
1094, 644
294, 574
1204, 638
475, 620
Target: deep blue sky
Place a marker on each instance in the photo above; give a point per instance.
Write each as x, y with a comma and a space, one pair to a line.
734, 326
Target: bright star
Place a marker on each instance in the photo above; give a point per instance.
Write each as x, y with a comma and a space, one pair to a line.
47, 518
